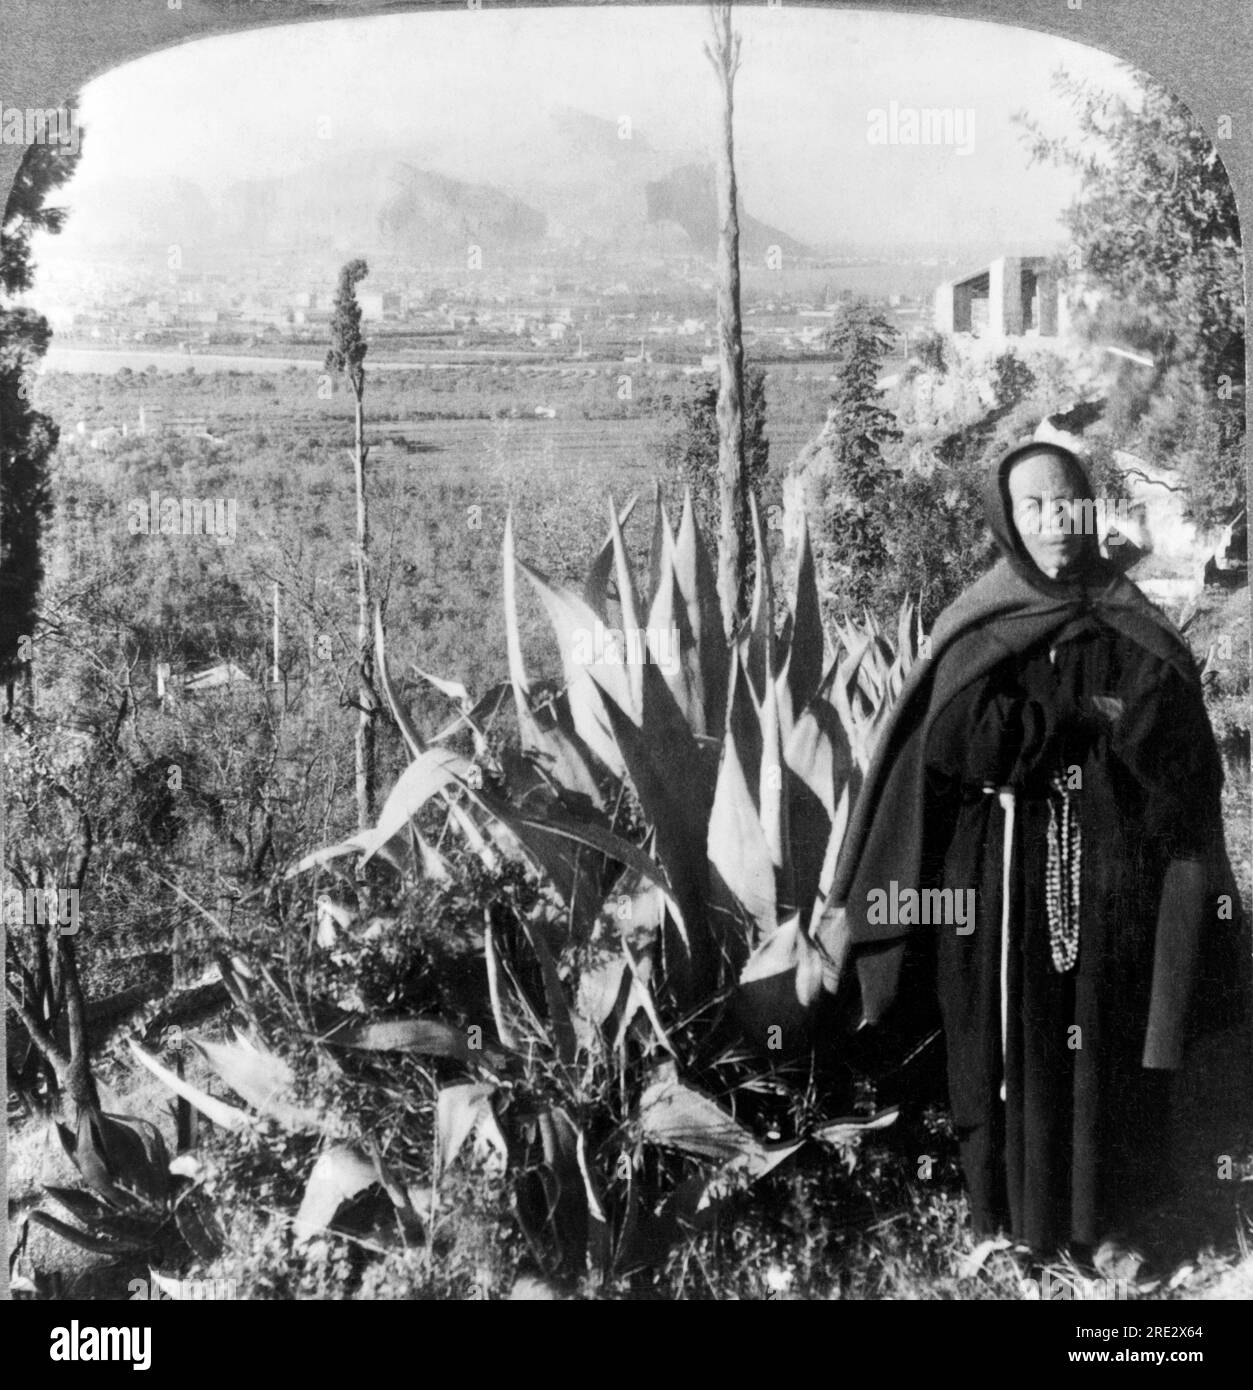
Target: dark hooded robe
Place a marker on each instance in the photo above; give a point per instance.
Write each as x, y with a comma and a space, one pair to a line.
1052, 764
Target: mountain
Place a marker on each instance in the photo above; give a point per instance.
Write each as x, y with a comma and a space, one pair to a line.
605, 185
591, 182
372, 203
688, 197
572, 182
433, 214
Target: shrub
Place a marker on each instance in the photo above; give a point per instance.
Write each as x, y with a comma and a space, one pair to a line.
1012, 379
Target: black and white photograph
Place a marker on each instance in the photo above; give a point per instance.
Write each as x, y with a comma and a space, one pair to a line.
625, 661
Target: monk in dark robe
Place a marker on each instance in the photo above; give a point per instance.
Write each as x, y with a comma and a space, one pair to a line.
1053, 755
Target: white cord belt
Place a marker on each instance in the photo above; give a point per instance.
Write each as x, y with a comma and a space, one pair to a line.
1005, 795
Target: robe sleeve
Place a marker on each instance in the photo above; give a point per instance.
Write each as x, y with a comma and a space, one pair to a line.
1176, 954
1163, 740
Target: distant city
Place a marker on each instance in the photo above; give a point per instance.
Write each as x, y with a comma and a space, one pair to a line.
659, 313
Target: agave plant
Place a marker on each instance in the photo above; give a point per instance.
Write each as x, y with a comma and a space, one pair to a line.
680, 801
135, 1201
743, 759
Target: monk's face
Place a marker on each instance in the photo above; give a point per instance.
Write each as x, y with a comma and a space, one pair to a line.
1041, 491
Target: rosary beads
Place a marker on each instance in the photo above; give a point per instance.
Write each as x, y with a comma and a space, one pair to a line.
1061, 884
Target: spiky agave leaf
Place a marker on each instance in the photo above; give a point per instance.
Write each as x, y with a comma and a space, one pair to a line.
497, 988
465, 1110
261, 1077
550, 740
660, 544
95, 1242
82, 1206
786, 952
121, 1158
850, 704
417, 746
742, 878
635, 656
558, 1203
694, 575
675, 1115
548, 731
430, 772
806, 643
431, 1037
339, 1175
772, 798
671, 642
478, 718
400, 713
596, 584
575, 624
219, 1111
641, 967
818, 762
560, 1015
673, 777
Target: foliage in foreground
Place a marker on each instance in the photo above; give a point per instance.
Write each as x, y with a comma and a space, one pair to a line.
676, 812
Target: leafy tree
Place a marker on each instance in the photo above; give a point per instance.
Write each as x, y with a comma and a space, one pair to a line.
931, 350
937, 542
691, 451
348, 348
1012, 380
1155, 229
859, 428
27, 440
27, 436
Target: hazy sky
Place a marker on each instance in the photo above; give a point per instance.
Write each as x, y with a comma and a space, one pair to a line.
254, 105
